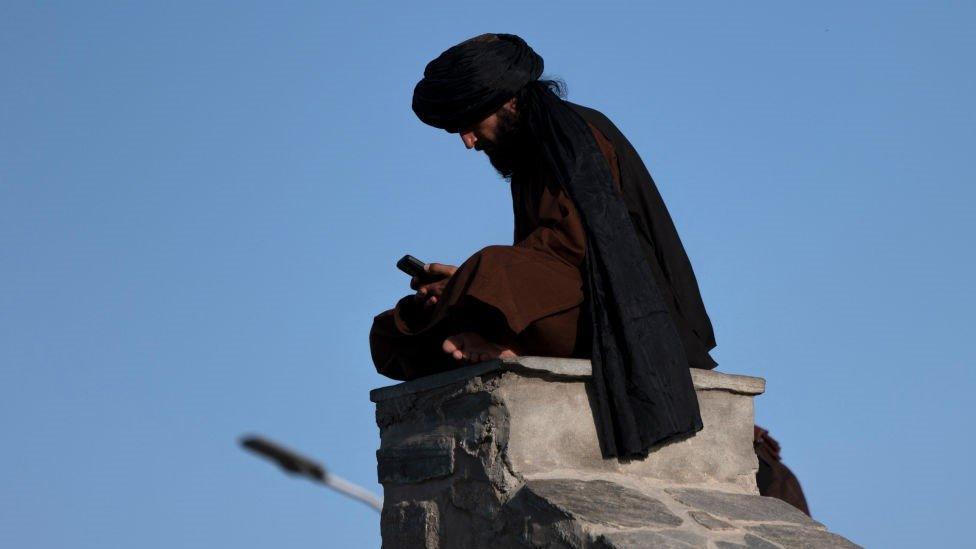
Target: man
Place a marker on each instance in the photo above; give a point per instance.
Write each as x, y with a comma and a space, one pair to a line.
596, 269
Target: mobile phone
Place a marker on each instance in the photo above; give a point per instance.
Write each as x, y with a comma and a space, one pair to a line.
411, 265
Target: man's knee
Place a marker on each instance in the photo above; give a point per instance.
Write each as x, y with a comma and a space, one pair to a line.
554, 335
383, 338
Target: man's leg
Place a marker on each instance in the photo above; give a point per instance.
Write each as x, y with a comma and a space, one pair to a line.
556, 335
401, 356
406, 354
476, 330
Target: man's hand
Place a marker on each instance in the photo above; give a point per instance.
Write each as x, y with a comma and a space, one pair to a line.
430, 286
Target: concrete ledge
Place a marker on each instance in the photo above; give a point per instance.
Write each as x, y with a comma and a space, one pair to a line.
710, 380
567, 369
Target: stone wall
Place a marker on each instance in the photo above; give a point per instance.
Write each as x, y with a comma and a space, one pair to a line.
505, 454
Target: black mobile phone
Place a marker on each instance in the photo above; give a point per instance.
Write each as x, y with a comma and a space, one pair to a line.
411, 265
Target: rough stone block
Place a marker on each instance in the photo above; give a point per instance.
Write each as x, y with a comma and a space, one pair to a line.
603, 502
798, 537
416, 460
410, 525
665, 539
710, 522
749, 542
742, 506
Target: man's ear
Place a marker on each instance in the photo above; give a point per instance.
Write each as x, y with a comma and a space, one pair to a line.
511, 105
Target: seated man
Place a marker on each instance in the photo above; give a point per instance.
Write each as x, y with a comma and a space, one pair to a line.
596, 269
504, 300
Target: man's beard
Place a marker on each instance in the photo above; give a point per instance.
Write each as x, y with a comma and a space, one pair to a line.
512, 150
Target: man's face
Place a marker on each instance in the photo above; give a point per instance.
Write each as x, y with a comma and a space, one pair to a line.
498, 137
485, 134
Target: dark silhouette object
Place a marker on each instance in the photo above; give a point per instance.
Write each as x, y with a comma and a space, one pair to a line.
296, 464
773, 478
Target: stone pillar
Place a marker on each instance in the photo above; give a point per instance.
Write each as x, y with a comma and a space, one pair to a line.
506, 454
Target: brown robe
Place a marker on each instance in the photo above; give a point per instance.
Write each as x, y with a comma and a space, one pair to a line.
529, 294
773, 477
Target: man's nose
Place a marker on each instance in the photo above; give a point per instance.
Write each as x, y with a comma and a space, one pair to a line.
468, 139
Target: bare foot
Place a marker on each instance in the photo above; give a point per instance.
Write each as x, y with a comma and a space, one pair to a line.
473, 348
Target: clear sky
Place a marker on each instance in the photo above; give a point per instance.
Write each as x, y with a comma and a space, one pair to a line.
201, 204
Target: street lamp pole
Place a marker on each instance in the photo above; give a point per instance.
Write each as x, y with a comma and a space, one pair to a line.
296, 464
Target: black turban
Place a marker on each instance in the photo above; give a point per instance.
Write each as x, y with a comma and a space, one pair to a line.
473, 79
644, 393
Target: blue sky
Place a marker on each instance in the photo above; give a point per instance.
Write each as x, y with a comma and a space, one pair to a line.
201, 205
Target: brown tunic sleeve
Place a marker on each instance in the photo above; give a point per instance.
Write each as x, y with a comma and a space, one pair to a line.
558, 227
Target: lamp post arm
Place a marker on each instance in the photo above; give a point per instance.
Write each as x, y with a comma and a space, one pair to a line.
296, 464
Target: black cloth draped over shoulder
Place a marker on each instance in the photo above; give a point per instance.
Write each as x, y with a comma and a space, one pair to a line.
649, 323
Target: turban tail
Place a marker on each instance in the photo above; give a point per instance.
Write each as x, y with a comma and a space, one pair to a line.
641, 379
